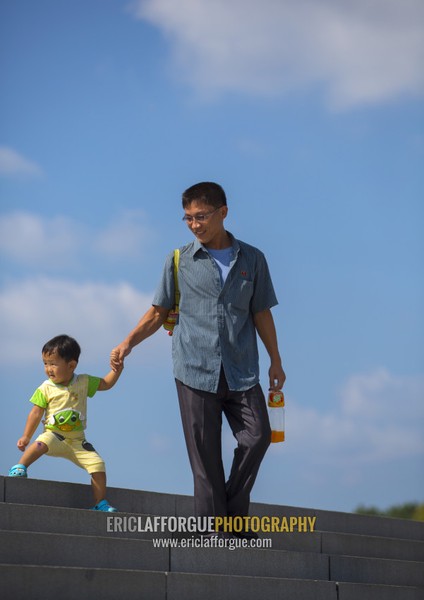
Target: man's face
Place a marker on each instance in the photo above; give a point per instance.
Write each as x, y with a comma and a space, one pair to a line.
206, 222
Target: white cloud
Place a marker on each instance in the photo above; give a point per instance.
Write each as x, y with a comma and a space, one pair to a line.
35, 308
125, 237
14, 164
60, 242
360, 52
365, 394
30, 239
380, 417
98, 315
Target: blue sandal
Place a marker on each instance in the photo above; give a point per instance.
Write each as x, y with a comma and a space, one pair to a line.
18, 471
104, 506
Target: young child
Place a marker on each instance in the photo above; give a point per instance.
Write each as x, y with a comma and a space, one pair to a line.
62, 400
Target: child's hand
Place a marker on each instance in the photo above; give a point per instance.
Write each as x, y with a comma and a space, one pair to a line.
23, 442
117, 357
119, 368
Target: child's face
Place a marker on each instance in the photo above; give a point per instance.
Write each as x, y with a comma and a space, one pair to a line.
58, 369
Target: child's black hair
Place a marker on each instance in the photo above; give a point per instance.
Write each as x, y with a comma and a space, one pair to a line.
65, 346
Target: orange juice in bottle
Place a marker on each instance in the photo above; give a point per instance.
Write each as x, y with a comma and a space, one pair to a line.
276, 416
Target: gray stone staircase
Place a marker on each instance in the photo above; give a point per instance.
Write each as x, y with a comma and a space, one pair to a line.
50, 547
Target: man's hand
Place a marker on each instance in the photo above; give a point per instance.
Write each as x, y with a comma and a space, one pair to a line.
117, 356
264, 324
277, 377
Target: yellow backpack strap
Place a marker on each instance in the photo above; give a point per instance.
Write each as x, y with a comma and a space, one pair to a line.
176, 265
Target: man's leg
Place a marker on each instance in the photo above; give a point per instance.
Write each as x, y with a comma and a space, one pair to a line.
248, 418
201, 414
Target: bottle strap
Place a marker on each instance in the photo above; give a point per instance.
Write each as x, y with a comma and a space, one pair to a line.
176, 265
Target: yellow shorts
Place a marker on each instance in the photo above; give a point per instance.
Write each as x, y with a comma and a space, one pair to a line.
75, 448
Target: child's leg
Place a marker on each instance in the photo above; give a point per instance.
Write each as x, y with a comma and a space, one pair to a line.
85, 456
30, 455
33, 452
98, 485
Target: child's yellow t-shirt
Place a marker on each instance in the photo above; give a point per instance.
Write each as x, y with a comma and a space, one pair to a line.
66, 406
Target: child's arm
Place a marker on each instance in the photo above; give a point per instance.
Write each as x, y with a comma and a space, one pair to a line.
32, 423
109, 380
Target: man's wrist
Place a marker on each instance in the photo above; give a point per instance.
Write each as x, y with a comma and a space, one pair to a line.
129, 343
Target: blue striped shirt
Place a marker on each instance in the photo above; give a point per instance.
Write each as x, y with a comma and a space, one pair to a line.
215, 325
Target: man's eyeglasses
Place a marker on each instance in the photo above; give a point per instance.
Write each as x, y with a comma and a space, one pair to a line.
189, 219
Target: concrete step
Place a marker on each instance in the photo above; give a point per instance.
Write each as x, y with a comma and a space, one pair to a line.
53, 519
73, 495
34, 582
22, 582
376, 570
274, 563
31, 548
65, 550
349, 522
18, 547
45, 535
371, 546
358, 591
22, 517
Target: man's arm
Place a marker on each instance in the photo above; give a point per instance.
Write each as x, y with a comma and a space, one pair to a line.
265, 327
152, 320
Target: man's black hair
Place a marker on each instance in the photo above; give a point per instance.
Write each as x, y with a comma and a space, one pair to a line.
65, 346
206, 192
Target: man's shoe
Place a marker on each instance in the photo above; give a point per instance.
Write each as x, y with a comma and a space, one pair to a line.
18, 471
104, 506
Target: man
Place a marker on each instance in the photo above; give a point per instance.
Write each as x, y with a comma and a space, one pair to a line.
226, 296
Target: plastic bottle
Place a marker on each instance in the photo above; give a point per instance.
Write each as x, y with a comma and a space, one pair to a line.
276, 416
171, 320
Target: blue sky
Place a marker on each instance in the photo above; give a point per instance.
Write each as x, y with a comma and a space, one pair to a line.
310, 114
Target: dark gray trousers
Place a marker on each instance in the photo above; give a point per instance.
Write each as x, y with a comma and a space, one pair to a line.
201, 414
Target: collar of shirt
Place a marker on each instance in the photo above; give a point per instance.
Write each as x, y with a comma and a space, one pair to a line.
197, 246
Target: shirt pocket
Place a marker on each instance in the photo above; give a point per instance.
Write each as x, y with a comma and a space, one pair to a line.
241, 294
